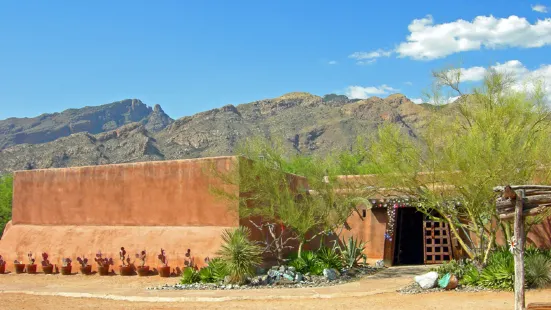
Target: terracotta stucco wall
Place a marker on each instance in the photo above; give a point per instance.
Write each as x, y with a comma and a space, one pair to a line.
370, 229
166, 193
152, 205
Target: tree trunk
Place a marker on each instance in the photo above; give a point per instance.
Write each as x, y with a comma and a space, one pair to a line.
300, 248
459, 239
519, 252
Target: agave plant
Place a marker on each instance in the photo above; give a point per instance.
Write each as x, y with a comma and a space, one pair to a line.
239, 254
351, 251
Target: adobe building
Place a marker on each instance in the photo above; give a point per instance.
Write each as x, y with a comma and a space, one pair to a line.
72, 212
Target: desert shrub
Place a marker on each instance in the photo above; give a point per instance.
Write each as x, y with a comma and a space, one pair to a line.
471, 276
239, 254
329, 258
499, 273
538, 268
351, 251
189, 276
307, 263
216, 271
457, 268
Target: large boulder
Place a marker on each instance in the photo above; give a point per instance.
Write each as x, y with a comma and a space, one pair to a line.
427, 280
330, 274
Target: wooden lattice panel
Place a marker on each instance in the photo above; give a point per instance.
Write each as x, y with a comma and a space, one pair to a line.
438, 248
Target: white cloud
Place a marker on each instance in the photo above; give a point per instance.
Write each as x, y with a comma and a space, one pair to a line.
523, 76
431, 41
539, 8
359, 92
366, 58
431, 101
408, 83
366, 62
332, 62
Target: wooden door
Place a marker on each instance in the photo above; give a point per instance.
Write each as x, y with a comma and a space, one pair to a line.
437, 243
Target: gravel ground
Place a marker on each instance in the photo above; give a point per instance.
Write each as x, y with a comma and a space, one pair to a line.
414, 288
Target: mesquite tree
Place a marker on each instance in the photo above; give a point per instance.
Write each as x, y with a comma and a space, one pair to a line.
288, 210
498, 134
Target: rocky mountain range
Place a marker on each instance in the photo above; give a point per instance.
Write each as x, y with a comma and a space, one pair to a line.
130, 131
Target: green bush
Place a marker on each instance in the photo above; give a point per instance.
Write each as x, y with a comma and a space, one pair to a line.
309, 262
457, 268
329, 258
499, 273
538, 267
6, 191
471, 276
189, 276
239, 254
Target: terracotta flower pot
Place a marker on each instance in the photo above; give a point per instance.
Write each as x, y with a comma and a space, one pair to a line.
103, 270
452, 284
31, 269
19, 268
86, 270
66, 270
126, 270
2, 268
49, 269
164, 271
142, 271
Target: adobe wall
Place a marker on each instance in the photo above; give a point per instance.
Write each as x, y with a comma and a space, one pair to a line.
166, 193
370, 229
74, 211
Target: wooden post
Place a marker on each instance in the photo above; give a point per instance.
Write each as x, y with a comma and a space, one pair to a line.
519, 251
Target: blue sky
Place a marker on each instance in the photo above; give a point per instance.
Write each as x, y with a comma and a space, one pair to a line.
190, 56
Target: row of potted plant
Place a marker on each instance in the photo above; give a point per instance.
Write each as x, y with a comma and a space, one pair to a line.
127, 268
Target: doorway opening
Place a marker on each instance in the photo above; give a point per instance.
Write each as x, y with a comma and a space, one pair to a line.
409, 245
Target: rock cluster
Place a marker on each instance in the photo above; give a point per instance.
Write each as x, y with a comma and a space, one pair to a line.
280, 277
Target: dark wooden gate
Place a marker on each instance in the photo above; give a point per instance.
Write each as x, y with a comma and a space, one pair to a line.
437, 243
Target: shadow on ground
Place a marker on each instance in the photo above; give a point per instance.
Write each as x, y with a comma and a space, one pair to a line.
402, 271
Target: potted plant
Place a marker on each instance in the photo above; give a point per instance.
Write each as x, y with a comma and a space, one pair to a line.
164, 270
47, 268
19, 266
103, 264
143, 270
66, 267
31, 266
126, 269
2, 265
84, 267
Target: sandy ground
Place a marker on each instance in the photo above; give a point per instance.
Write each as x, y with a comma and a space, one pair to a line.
447, 300
374, 292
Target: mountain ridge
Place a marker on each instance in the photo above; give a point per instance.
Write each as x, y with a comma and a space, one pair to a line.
308, 124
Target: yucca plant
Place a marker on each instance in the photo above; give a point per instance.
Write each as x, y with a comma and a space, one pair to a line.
330, 258
239, 254
351, 251
538, 268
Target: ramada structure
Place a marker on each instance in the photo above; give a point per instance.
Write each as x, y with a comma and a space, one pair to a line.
72, 212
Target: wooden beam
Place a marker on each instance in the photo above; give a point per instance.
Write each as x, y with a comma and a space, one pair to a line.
516, 187
530, 212
519, 251
530, 200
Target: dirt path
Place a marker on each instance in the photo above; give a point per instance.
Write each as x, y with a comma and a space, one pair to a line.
374, 292
436, 301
